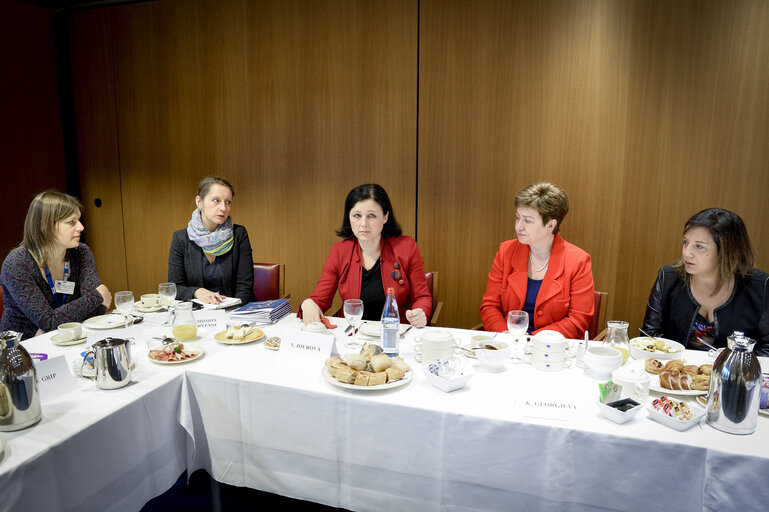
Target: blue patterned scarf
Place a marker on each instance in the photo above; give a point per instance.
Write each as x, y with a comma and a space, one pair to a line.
217, 243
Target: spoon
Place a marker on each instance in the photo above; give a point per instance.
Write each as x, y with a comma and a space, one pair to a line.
647, 334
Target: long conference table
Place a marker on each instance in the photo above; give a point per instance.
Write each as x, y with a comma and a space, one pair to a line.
258, 418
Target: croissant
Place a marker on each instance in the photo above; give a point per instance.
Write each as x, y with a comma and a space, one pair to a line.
674, 365
706, 369
692, 369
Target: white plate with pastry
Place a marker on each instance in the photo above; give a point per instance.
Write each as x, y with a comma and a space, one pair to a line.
389, 385
671, 377
237, 336
373, 328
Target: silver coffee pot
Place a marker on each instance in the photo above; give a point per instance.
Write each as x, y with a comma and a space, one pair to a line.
19, 397
112, 363
735, 387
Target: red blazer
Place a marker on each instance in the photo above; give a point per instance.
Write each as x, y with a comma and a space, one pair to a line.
566, 298
343, 271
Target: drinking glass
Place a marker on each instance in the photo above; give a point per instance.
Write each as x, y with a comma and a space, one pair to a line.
167, 293
124, 302
517, 324
353, 313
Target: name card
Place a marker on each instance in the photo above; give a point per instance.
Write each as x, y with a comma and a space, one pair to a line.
306, 346
548, 404
54, 378
210, 320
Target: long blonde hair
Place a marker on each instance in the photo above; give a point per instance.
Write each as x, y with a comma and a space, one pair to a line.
46, 210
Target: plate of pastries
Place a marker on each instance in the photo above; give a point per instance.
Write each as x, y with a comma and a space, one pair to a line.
370, 370
655, 348
678, 378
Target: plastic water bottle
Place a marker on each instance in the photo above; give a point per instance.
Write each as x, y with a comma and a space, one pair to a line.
391, 323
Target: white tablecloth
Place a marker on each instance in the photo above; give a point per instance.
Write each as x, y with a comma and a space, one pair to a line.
96, 449
259, 421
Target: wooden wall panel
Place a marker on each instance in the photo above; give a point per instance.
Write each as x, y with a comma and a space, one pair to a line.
31, 148
93, 93
644, 112
295, 102
513, 93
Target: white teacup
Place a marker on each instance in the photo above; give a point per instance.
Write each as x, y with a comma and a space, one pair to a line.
316, 327
634, 381
550, 361
493, 359
433, 345
150, 300
70, 331
549, 341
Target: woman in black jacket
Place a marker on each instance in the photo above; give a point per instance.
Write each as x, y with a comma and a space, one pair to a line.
211, 259
713, 290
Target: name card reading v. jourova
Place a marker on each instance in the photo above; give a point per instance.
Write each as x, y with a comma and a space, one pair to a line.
548, 404
311, 347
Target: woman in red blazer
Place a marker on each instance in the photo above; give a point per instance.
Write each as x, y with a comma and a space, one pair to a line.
373, 257
540, 272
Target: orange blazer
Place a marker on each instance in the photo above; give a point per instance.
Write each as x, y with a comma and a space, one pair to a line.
566, 298
343, 271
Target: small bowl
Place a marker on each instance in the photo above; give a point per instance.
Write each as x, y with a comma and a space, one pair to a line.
458, 380
603, 360
675, 423
494, 359
610, 410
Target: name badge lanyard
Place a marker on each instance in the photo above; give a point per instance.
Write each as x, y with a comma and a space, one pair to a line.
59, 298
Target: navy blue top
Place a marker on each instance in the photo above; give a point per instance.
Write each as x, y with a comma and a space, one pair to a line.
212, 275
532, 290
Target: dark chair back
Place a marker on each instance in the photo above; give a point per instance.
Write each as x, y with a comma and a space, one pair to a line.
269, 281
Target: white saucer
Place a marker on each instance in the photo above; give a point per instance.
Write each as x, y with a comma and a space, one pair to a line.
56, 339
141, 309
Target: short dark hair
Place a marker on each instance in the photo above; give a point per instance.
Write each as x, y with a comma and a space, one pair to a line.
735, 253
378, 194
550, 201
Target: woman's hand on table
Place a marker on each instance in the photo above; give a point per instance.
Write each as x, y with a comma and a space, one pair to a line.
416, 317
310, 312
208, 296
106, 296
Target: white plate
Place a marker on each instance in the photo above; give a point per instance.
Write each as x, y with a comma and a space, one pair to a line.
110, 321
141, 309
400, 382
639, 353
373, 328
195, 352
2, 446
251, 338
654, 383
57, 341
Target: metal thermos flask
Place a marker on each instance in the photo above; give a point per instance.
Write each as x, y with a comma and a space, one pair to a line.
19, 398
735, 387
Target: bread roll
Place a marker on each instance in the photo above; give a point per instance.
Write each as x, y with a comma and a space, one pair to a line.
653, 366
380, 363
399, 363
355, 361
333, 361
394, 374
378, 378
362, 379
692, 369
346, 374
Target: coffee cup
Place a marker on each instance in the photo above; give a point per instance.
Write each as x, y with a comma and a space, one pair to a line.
493, 355
150, 300
70, 331
433, 345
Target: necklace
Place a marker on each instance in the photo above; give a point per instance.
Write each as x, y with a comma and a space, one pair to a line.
540, 269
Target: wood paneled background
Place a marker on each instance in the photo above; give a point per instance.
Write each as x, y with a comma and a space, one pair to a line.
643, 111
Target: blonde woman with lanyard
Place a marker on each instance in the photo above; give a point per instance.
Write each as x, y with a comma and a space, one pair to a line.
51, 278
211, 259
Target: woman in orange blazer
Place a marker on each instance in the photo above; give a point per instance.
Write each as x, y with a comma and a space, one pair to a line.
373, 256
540, 272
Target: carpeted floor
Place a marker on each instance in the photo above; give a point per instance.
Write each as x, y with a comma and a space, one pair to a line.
203, 494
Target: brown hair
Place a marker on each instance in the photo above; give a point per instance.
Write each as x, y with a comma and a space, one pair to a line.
735, 253
209, 181
550, 201
46, 210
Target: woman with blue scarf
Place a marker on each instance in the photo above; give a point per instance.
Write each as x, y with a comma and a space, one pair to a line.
211, 259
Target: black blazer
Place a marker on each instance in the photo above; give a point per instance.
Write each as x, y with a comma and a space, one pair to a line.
185, 266
671, 310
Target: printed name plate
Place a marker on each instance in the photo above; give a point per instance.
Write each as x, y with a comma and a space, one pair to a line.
547, 403
310, 347
54, 378
210, 321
